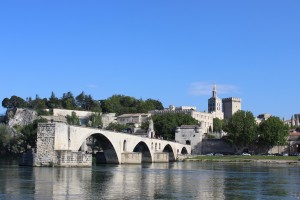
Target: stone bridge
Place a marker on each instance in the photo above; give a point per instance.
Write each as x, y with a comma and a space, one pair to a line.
60, 144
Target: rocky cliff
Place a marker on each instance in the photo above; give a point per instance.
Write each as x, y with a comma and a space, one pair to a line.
20, 117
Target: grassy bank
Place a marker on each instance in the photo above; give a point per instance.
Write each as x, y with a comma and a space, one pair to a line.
240, 158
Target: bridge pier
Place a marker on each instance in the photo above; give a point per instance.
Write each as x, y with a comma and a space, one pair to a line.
161, 157
131, 158
73, 159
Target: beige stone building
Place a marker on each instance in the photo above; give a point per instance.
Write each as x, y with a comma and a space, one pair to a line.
230, 106
189, 134
262, 117
295, 120
136, 119
215, 104
59, 115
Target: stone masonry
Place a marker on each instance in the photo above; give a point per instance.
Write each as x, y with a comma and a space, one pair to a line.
46, 155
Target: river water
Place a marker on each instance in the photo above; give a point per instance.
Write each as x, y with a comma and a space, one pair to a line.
179, 180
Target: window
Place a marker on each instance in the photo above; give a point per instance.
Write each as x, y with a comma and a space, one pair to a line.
124, 145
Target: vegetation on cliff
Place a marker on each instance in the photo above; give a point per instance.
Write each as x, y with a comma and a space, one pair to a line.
19, 138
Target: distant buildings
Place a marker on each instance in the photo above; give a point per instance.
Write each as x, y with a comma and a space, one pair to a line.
135, 119
224, 108
217, 108
262, 117
294, 121
205, 118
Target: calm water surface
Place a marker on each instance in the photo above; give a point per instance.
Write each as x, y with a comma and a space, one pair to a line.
182, 180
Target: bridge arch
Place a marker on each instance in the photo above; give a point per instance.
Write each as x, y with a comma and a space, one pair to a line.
143, 148
184, 151
169, 149
106, 151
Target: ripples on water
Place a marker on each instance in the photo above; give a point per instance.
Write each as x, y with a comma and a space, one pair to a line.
183, 180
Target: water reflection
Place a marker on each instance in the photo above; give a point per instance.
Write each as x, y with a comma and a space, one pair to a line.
190, 180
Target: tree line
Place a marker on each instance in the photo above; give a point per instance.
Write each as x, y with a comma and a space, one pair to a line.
119, 104
243, 131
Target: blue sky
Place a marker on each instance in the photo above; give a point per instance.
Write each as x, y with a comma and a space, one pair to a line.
172, 51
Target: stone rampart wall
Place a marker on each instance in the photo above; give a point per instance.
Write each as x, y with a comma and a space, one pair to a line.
213, 146
79, 113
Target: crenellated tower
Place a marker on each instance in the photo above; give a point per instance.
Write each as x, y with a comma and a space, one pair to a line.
230, 106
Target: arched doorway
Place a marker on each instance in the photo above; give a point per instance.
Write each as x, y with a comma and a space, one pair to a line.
143, 148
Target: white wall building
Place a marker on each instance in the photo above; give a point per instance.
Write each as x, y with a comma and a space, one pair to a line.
83, 116
189, 134
136, 119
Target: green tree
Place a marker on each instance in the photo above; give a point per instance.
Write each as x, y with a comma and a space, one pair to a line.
149, 104
165, 125
116, 127
241, 129
95, 120
68, 101
145, 125
53, 101
39, 105
155, 104
121, 104
80, 100
5, 135
14, 102
6, 103
272, 132
91, 104
29, 133
73, 119
218, 125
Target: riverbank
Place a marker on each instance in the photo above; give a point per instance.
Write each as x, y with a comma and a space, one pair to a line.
240, 158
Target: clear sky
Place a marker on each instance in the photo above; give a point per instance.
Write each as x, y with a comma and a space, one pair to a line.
168, 50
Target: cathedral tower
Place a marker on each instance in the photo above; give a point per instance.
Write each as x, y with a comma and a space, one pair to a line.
215, 104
